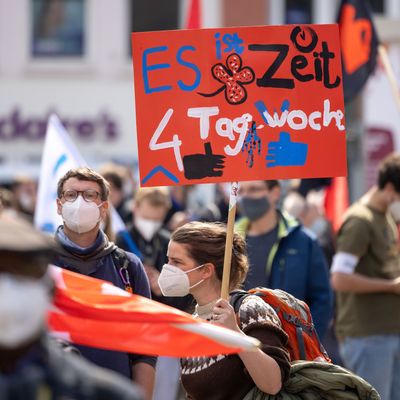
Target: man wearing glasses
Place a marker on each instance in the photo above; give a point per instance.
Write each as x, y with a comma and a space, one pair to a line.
83, 203
282, 254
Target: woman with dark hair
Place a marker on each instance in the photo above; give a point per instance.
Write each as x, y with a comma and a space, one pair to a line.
195, 262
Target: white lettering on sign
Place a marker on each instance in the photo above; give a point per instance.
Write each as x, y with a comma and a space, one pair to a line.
238, 128
175, 143
239, 125
298, 119
204, 113
224, 128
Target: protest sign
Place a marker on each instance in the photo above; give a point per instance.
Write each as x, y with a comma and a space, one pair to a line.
241, 103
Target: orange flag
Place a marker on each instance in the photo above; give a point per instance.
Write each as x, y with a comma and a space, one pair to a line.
95, 313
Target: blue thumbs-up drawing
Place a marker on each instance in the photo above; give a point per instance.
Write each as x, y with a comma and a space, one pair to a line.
286, 153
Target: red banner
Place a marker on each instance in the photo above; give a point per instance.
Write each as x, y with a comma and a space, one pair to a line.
95, 313
236, 104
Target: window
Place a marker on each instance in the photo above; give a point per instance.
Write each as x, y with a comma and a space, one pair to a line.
154, 15
58, 28
298, 12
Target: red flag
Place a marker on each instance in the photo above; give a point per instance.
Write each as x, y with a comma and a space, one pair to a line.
193, 20
359, 43
336, 201
95, 313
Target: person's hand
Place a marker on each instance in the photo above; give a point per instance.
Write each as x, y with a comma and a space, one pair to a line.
153, 274
224, 315
396, 285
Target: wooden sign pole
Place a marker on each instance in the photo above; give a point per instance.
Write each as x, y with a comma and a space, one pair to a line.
383, 54
229, 241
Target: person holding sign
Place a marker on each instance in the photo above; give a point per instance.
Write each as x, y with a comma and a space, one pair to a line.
150, 208
282, 254
195, 263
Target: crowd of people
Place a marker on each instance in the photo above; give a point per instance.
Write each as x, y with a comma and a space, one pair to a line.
173, 251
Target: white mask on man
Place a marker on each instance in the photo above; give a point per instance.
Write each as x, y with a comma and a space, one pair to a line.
174, 282
147, 227
80, 215
394, 209
23, 309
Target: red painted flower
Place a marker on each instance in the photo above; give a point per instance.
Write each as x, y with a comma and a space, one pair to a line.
233, 76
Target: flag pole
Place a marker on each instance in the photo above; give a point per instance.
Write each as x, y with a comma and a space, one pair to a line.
384, 56
229, 240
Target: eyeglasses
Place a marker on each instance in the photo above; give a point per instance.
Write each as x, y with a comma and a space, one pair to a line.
88, 195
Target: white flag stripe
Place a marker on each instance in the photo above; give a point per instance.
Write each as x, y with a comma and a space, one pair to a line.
109, 289
222, 335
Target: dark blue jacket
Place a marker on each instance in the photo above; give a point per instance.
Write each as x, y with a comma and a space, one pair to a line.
57, 374
97, 261
297, 265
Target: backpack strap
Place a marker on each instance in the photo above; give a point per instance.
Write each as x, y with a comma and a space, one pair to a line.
298, 323
121, 262
132, 246
300, 341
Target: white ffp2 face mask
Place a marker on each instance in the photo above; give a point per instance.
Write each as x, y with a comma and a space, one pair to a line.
174, 282
23, 309
80, 216
394, 209
147, 227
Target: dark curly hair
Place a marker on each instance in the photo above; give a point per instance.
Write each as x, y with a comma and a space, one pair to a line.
389, 172
85, 174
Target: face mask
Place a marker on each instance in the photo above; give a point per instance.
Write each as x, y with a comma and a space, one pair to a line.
254, 209
80, 216
174, 282
147, 227
23, 309
394, 209
318, 226
26, 201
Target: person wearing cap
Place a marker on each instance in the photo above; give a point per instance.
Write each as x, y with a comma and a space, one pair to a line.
84, 248
32, 366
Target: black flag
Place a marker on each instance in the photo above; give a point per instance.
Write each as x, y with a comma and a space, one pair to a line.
359, 44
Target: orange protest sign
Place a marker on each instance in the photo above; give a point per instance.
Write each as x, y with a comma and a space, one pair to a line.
236, 104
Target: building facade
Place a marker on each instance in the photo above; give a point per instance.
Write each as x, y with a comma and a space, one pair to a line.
73, 57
